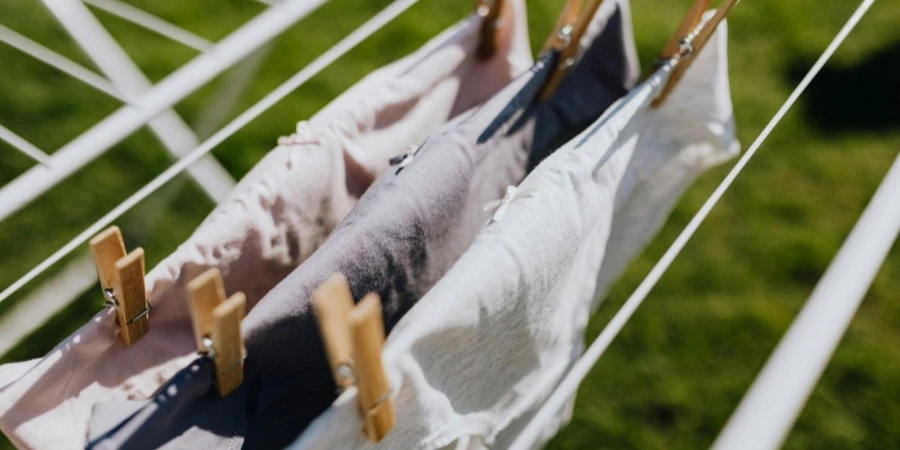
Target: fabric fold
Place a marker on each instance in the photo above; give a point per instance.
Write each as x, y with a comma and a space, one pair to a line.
477, 356
401, 237
278, 215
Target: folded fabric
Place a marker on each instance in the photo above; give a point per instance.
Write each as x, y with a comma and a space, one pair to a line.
475, 358
280, 213
401, 237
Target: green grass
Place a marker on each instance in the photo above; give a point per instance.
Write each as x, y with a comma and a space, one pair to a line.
683, 362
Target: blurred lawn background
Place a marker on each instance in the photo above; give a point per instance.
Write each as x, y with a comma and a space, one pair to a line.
683, 362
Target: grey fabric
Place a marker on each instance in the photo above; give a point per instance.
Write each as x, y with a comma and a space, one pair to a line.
481, 352
402, 236
274, 219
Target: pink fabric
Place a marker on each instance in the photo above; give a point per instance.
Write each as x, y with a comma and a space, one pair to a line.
281, 211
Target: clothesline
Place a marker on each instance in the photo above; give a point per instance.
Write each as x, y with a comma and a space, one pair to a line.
22, 145
769, 409
122, 79
338, 50
580, 369
570, 383
61, 63
150, 104
116, 65
153, 23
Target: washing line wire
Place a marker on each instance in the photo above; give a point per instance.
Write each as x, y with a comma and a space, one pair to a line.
770, 407
567, 387
153, 23
59, 62
22, 145
364, 31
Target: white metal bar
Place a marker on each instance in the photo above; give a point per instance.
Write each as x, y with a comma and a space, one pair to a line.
769, 409
342, 47
20, 144
175, 135
227, 94
61, 63
90, 144
74, 279
53, 296
569, 385
152, 23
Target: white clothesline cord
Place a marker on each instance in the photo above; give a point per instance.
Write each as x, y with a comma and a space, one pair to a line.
152, 23
769, 409
59, 62
20, 144
580, 369
219, 107
342, 47
44, 302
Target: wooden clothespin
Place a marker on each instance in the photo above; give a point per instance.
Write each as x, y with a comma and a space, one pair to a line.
570, 27
217, 328
687, 42
333, 301
490, 12
373, 393
122, 280
353, 338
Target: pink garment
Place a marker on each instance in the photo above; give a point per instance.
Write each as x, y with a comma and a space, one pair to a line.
279, 213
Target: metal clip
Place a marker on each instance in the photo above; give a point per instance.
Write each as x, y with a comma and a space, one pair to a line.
109, 298
401, 161
140, 315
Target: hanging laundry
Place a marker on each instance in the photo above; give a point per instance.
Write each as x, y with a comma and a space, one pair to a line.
401, 237
279, 213
476, 357
654, 184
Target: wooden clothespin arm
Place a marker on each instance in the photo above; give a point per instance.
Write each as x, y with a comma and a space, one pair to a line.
373, 393
490, 12
566, 35
122, 280
690, 21
217, 328
697, 42
332, 302
107, 248
567, 17
353, 338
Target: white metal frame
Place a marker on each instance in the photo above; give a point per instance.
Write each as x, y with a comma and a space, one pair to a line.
175, 135
155, 100
175, 87
125, 81
769, 409
152, 23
